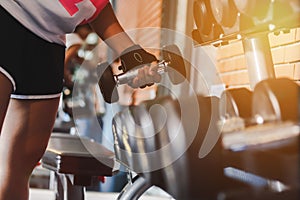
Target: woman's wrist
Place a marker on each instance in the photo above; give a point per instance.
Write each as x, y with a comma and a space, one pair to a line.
135, 56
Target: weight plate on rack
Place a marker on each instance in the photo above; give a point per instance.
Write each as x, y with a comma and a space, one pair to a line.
224, 12
203, 16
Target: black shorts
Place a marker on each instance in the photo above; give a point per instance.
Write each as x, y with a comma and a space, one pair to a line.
34, 66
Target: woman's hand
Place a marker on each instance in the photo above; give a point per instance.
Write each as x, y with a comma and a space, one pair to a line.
147, 76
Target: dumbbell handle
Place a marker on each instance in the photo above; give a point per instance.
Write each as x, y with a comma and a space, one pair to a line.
128, 76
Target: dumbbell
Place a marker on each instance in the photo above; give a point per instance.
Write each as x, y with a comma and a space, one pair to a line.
276, 100
207, 28
235, 108
172, 63
224, 12
203, 16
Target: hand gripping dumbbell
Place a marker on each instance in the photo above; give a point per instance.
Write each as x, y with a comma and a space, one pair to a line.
172, 63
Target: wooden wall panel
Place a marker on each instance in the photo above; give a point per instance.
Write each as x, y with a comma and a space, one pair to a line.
138, 14
285, 70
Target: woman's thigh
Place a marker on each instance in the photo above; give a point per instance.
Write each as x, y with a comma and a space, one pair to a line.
5, 90
25, 133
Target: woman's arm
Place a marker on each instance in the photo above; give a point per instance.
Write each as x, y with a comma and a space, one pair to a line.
108, 28
106, 25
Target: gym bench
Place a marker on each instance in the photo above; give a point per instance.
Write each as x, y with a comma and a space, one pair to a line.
76, 163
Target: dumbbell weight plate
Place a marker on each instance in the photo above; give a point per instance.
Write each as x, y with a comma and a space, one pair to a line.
224, 12
207, 27
203, 16
236, 103
107, 83
176, 69
235, 109
275, 100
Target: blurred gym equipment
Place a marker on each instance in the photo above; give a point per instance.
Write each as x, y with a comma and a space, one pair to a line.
269, 147
157, 142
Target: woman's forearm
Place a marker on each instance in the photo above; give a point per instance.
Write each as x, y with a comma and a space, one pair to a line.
108, 28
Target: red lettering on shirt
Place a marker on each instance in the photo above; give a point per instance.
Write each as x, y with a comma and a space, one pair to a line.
70, 6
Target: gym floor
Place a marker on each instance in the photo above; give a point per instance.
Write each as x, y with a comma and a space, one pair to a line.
39, 184
43, 194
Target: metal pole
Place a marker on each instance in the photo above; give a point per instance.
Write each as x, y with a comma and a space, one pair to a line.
259, 59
